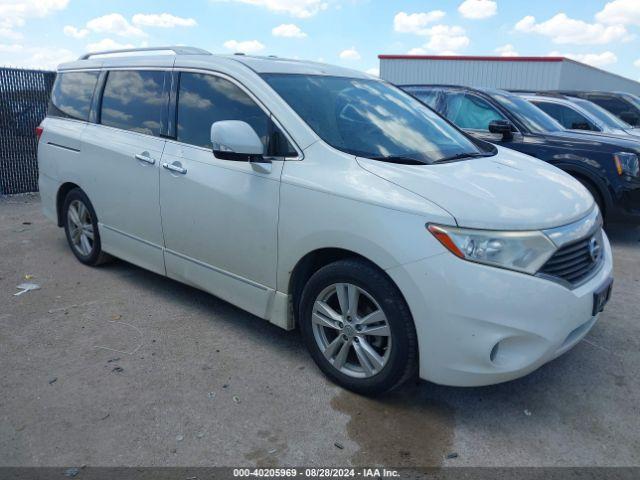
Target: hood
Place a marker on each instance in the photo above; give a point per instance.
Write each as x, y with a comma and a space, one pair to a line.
509, 191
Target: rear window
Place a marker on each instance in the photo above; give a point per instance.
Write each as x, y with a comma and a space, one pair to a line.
134, 100
72, 94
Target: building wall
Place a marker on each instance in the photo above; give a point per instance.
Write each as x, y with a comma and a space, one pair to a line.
552, 73
492, 74
577, 76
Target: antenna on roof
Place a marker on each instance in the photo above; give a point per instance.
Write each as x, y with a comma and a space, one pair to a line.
177, 50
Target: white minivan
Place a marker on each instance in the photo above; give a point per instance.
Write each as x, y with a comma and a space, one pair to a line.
322, 198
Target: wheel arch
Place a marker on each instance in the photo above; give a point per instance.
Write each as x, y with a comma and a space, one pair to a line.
64, 189
314, 261
600, 186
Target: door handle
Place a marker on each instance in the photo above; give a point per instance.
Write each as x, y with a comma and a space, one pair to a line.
174, 168
145, 158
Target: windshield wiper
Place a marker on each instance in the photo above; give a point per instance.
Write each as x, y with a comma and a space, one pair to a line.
460, 156
399, 159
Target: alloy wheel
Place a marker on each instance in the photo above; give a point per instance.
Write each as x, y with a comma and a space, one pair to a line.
351, 330
80, 226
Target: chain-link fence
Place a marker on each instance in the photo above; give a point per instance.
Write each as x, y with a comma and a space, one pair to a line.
24, 95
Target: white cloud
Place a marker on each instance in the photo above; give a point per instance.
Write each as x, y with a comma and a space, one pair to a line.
295, 8
350, 54
637, 63
373, 71
418, 51
478, 9
10, 34
563, 29
415, 22
107, 44
620, 12
594, 59
14, 13
443, 40
74, 32
162, 20
447, 39
247, 46
13, 48
116, 24
288, 30
40, 58
507, 50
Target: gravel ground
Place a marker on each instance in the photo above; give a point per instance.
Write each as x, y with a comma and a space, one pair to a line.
118, 366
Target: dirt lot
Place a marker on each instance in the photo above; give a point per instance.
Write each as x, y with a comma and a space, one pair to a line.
117, 366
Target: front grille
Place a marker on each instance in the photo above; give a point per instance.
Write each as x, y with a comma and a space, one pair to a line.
574, 262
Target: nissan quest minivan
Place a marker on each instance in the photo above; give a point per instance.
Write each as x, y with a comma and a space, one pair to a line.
322, 198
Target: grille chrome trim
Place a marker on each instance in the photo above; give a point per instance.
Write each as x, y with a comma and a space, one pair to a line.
572, 265
573, 232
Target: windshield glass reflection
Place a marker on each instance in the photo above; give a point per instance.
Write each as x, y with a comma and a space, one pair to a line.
370, 118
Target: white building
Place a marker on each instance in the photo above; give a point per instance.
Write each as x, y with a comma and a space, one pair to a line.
509, 73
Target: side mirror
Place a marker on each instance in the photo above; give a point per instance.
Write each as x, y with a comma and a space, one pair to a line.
237, 140
502, 127
580, 126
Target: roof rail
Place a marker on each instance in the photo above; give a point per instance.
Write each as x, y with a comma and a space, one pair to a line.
176, 50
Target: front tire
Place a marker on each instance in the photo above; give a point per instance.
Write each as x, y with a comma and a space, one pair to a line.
595, 193
81, 228
358, 328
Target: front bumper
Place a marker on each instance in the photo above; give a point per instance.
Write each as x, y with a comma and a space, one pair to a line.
626, 206
462, 310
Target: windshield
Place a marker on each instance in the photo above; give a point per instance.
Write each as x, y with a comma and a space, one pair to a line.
608, 119
369, 118
532, 117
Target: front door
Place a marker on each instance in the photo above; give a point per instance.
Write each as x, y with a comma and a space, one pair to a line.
219, 217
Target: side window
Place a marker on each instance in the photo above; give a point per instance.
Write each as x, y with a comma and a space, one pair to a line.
613, 104
470, 111
427, 96
567, 117
205, 99
134, 100
72, 94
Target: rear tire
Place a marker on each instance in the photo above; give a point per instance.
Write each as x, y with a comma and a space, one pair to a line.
358, 327
81, 229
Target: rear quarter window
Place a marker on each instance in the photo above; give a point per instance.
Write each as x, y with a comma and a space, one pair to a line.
134, 100
72, 95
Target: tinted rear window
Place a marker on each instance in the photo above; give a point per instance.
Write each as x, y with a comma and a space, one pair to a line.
134, 101
72, 94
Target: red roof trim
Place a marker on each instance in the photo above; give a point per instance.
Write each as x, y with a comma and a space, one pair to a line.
482, 59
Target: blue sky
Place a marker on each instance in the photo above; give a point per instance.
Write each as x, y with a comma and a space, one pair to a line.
42, 33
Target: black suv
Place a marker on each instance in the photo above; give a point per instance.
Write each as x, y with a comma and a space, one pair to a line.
623, 105
607, 166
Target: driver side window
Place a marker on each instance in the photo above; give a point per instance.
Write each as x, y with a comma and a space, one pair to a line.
204, 99
470, 111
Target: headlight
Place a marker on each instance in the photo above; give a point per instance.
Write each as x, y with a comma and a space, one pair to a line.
627, 164
521, 251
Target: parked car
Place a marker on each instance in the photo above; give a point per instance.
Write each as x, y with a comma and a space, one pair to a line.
606, 165
623, 105
575, 113
320, 197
